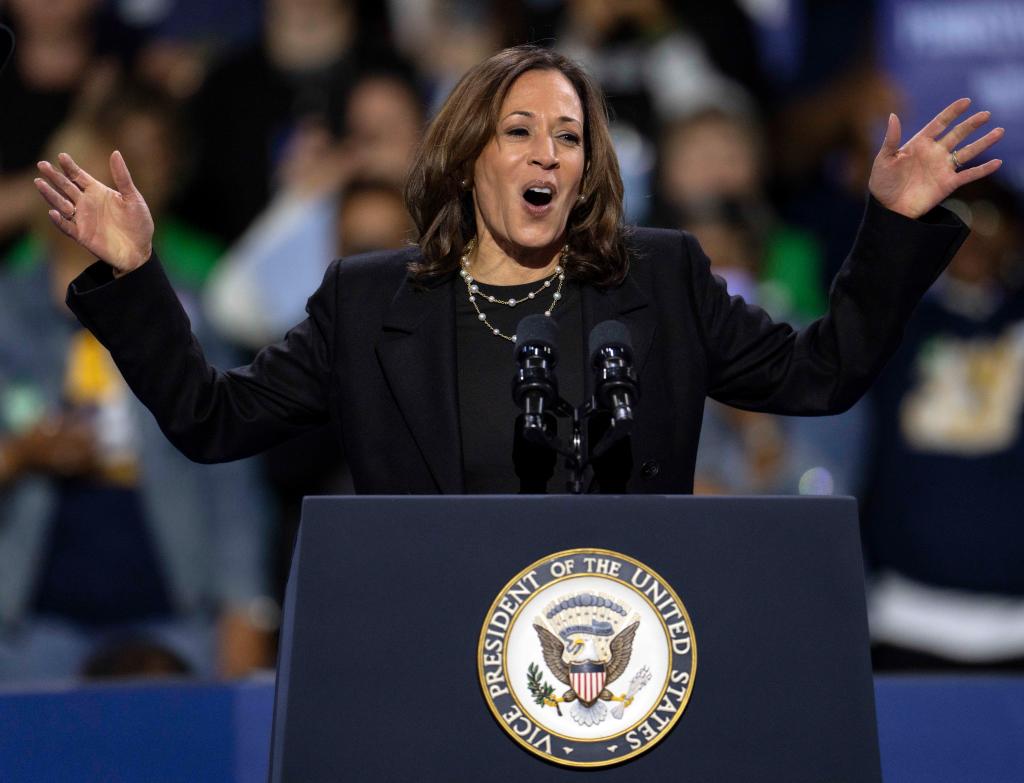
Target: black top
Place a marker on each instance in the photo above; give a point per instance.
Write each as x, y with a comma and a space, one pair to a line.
487, 413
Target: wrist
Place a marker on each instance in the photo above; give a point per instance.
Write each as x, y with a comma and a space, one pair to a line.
135, 262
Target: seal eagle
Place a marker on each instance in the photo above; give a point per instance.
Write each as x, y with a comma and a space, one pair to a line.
587, 679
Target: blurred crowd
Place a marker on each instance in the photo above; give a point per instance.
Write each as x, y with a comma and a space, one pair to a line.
271, 136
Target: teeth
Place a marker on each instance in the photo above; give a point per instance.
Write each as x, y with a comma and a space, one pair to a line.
546, 191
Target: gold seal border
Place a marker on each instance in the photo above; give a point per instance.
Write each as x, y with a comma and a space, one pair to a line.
490, 613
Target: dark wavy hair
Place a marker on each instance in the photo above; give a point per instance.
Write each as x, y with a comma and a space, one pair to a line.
442, 207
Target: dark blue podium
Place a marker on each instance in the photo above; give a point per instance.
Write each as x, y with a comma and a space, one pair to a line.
377, 678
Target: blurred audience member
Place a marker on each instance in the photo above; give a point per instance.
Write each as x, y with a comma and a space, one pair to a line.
943, 523
253, 107
144, 124
825, 143
714, 162
652, 70
117, 555
184, 37
372, 216
260, 287
61, 44
650, 65
445, 38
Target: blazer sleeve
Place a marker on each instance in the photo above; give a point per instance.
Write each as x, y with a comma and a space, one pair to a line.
210, 415
756, 364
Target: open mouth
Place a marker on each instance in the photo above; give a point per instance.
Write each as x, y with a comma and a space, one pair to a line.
538, 196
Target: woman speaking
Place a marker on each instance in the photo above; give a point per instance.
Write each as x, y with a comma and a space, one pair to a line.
517, 197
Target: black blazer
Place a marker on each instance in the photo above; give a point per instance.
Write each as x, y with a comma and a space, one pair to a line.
376, 356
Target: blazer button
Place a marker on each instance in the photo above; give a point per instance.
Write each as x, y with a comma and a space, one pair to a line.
650, 468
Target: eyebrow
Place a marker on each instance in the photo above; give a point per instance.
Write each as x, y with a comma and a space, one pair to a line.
530, 114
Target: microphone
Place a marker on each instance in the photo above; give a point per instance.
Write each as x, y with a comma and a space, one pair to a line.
534, 387
615, 386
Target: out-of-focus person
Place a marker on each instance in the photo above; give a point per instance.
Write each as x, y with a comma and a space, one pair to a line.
372, 216
715, 162
254, 107
823, 147
638, 51
145, 124
943, 526
444, 38
260, 287
60, 46
117, 555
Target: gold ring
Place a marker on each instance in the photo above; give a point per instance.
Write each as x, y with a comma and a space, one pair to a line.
955, 159
71, 217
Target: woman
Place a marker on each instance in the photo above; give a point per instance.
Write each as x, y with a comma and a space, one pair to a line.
517, 186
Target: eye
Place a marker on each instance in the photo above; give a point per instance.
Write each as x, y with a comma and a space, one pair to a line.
569, 138
517, 132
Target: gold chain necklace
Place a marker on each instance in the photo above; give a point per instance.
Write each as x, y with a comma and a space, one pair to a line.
474, 292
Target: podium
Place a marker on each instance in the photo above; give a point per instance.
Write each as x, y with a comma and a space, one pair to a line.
388, 598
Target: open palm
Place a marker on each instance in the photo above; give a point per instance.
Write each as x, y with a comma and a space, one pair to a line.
114, 225
913, 178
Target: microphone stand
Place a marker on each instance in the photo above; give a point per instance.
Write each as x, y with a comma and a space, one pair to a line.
536, 431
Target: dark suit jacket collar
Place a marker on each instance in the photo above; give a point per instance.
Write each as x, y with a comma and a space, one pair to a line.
417, 351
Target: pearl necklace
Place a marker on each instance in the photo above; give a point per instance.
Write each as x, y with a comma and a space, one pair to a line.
473, 290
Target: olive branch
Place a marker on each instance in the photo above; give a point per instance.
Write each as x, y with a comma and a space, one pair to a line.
542, 692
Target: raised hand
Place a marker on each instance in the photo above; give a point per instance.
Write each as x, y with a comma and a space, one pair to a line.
114, 225
913, 178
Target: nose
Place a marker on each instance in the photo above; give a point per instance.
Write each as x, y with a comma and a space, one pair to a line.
544, 153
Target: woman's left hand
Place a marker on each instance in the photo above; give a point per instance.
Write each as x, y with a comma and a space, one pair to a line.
918, 176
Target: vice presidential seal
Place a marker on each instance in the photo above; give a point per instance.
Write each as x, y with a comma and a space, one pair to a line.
587, 657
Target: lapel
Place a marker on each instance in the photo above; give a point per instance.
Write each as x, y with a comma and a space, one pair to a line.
416, 351
628, 304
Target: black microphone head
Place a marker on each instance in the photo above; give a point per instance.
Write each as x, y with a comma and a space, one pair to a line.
6, 45
609, 334
537, 330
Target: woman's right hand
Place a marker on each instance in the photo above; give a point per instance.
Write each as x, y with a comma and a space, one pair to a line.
114, 225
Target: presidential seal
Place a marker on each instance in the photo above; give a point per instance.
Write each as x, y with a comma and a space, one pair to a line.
587, 657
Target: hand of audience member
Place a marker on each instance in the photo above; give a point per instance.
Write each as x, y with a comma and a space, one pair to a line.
314, 163
241, 646
62, 446
913, 178
114, 225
